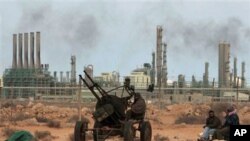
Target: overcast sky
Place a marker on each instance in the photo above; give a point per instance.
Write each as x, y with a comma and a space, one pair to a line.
116, 35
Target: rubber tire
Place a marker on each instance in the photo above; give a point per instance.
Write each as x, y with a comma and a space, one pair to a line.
128, 131
80, 131
145, 131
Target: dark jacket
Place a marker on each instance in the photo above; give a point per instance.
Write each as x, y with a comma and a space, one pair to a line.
213, 122
139, 106
231, 120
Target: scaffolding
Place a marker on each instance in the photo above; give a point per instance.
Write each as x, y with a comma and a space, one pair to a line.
25, 78
36, 83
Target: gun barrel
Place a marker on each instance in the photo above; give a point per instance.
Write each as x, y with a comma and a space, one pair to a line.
90, 88
102, 91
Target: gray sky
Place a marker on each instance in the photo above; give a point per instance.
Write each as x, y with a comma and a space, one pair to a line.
121, 35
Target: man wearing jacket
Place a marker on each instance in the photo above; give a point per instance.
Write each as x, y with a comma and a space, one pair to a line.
212, 123
138, 108
230, 119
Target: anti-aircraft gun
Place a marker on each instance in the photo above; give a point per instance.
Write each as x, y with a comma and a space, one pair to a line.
110, 115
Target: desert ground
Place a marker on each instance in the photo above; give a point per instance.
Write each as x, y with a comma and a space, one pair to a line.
55, 122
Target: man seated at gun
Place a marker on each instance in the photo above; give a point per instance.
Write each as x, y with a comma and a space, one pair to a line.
138, 108
212, 123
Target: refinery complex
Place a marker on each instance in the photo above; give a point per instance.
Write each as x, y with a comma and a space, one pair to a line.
30, 78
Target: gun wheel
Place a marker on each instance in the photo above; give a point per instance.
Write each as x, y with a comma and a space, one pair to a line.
80, 131
129, 131
98, 135
145, 131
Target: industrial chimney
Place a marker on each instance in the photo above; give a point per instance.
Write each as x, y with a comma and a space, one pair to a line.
206, 75
164, 67
38, 59
67, 76
26, 38
20, 50
55, 77
224, 67
61, 76
153, 69
73, 70
159, 54
32, 43
243, 80
235, 72
14, 61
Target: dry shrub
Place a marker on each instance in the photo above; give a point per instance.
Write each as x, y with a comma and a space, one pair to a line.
42, 134
8, 131
20, 117
54, 124
42, 119
190, 119
8, 104
158, 137
75, 118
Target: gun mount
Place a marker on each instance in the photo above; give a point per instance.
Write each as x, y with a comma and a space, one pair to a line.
110, 114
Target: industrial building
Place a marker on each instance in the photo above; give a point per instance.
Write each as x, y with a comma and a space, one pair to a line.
28, 77
140, 77
108, 79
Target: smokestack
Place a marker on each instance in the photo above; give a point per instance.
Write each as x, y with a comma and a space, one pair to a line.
194, 83
243, 80
20, 50
206, 75
61, 76
67, 76
164, 68
73, 70
14, 61
159, 54
55, 77
38, 59
26, 36
235, 72
153, 69
231, 79
32, 43
224, 67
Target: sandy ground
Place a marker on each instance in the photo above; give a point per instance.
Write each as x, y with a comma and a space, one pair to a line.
163, 120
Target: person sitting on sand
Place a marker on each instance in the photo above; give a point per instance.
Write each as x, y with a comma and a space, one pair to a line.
231, 118
212, 123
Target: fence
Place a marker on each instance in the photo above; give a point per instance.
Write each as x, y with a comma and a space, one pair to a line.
165, 95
